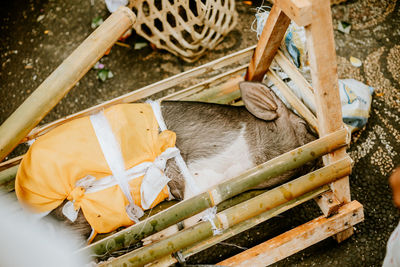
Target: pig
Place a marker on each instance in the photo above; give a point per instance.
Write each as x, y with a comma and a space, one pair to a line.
218, 142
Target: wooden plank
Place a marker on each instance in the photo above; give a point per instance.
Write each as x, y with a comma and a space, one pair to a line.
328, 203
270, 40
297, 10
293, 100
322, 58
299, 238
62, 79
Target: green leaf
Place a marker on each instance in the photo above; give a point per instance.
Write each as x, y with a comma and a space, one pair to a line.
102, 74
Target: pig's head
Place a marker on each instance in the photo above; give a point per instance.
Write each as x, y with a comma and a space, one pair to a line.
262, 102
277, 131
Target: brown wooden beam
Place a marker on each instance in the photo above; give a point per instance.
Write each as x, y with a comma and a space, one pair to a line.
322, 58
270, 40
298, 238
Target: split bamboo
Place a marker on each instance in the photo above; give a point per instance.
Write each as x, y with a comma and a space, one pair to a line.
188, 92
293, 72
234, 215
221, 94
57, 85
249, 179
293, 100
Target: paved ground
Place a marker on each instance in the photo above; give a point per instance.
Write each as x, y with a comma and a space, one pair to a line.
37, 35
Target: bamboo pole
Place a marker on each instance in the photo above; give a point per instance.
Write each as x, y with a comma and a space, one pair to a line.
57, 85
166, 204
217, 93
249, 179
235, 215
238, 228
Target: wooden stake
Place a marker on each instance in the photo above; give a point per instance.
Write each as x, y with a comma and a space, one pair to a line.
249, 179
57, 85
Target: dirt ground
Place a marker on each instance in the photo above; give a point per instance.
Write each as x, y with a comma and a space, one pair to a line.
37, 35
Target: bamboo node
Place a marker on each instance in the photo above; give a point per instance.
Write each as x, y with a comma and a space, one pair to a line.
129, 14
215, 196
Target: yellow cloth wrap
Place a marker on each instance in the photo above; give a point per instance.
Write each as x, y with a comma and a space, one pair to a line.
56, 160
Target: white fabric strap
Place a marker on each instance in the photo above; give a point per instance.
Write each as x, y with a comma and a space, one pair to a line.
154, 178
152, 183
113, 155
111, 151
155, 105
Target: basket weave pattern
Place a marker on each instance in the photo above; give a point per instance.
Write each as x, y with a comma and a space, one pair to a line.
186, 28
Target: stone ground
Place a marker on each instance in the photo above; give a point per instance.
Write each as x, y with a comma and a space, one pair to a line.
37, 35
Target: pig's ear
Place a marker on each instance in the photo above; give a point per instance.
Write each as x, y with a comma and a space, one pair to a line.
259, 100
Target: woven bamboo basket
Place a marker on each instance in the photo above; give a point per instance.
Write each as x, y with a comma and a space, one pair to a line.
186, 28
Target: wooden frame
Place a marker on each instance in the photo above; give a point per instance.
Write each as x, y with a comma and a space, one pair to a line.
340, 213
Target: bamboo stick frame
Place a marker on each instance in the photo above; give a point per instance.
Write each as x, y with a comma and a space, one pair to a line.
264, 53
235, 215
